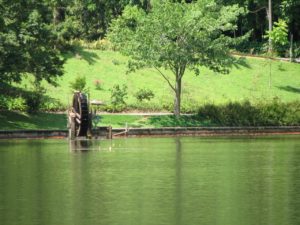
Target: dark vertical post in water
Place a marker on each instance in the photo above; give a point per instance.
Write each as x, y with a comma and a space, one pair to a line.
109, 132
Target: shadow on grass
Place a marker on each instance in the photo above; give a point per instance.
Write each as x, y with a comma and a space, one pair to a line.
241, 62
19, 121
280, 68
80, 53
289, 89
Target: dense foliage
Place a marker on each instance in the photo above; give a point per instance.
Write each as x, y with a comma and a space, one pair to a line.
275, 113
27, 42
90, 19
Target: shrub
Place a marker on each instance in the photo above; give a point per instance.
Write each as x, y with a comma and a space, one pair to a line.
146, 106
275, 113
144, 94
118, 96
33, 102
114, 108
35, 99
52, 105
18, 104
78, 84
189, 105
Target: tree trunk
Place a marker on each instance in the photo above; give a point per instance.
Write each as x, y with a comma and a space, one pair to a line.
269, 13
177, 100
58, 14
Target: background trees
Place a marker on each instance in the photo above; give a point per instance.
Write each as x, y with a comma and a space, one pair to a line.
27, 42
90, 19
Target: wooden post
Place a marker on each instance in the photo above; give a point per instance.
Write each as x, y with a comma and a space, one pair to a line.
71, 128
109, 132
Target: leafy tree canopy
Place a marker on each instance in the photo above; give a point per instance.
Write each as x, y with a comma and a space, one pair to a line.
177, 36
26, 42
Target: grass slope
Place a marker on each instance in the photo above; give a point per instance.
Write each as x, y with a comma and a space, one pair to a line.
244, 82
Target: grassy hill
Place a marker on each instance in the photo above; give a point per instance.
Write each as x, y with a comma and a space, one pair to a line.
247, 82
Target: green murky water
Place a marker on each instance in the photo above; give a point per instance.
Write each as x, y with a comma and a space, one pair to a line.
155, 181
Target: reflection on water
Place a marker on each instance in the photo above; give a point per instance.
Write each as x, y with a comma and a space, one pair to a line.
83, 145
155, 181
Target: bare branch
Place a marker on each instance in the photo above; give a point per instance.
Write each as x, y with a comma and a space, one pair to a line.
165, 78
257, 10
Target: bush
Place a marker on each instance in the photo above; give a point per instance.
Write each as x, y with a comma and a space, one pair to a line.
144, 94
52, 105
78, 84
33, 102
275, 113
35, 99
114, 108
146, 106
189, 105
118, 96
18, 104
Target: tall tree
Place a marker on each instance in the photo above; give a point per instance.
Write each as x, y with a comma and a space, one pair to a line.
175, 37
26, 44
88, 19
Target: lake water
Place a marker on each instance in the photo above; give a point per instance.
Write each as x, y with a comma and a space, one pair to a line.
151, 181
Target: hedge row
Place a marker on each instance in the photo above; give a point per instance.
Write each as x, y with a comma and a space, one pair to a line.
275, 113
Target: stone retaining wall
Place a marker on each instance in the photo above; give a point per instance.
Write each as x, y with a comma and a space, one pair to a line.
207, 131
106, 132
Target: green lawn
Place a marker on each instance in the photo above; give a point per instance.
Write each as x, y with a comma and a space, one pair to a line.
19, 121
247, 81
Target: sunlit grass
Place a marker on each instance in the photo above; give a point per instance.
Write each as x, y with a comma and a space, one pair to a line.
248, 81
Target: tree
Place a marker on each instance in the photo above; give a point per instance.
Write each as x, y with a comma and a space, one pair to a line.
88, 19
279, 34
176, 37
270, 15
26, 45
279, 37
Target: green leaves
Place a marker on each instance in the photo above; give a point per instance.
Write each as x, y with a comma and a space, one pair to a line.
279, 33
176, 34
26, 42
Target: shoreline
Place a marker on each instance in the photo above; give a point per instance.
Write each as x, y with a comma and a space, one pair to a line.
104, 132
